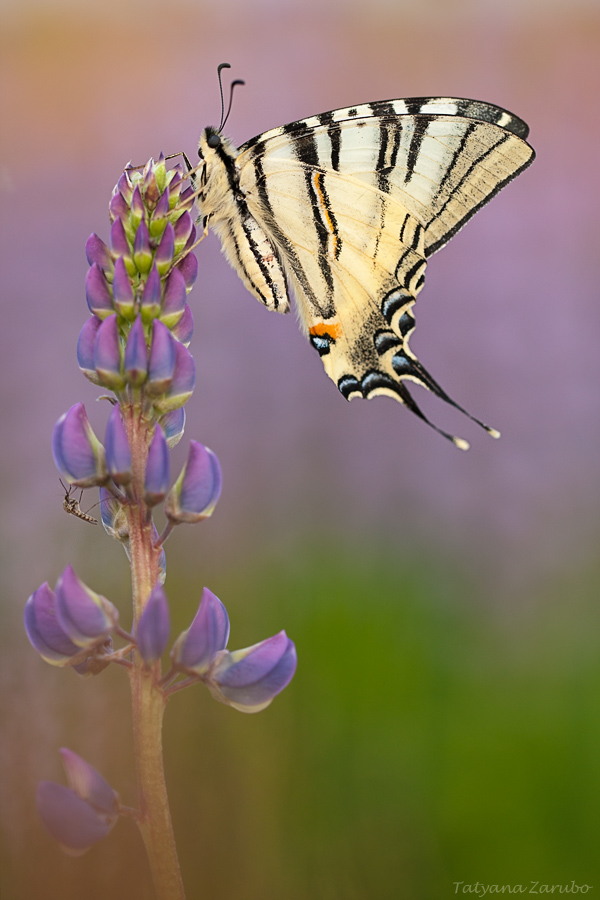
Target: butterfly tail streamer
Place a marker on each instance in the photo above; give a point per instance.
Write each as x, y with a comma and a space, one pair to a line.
419, 373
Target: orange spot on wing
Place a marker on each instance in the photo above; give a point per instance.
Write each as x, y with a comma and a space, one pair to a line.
332, 330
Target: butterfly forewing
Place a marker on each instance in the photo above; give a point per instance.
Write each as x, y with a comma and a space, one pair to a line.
349, 204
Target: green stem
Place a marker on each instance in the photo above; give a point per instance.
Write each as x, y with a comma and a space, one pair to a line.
148, 699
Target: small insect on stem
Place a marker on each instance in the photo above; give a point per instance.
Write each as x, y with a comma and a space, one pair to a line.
71, 505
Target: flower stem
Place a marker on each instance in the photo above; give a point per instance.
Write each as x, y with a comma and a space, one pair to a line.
148, 700
155, 818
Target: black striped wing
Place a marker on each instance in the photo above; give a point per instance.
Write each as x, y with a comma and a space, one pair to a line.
355, 201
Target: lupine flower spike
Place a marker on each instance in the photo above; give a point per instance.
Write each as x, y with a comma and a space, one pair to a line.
134, 346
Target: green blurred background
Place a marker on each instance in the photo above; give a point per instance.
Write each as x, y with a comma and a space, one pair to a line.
442, 726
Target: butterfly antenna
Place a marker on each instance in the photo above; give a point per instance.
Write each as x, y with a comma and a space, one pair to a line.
219, 70
225, 115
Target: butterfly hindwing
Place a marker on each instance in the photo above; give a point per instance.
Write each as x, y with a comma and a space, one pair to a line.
349, 205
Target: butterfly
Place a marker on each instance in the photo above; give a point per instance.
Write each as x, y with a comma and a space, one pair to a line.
345, 208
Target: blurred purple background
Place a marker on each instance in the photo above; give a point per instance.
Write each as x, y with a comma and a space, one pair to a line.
508, 322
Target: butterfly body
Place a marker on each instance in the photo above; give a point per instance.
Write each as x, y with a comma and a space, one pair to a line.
345, 209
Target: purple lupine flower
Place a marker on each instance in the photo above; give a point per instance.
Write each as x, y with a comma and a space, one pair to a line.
173, 303
118, 207
182, 384
165, 250
44, 632
175, 184
83, 615
97, 252
173, 425
120, 245
137, 211
195, 649
136, 355
161, 366
158, 469
184, 329
88, 783
189, 269
249, 679
108, 354
186, 198
153, 629
194, 495
123, 297
75, 824
124, 187
151, 296
97, 292
78, 454
159, 214
184, 226
118, 452
114, 517
85, 349
81, 814
142, 251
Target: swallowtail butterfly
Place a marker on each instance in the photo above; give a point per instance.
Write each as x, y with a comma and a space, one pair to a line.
345, 208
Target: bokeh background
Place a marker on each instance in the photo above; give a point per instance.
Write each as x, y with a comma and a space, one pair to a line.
443, 723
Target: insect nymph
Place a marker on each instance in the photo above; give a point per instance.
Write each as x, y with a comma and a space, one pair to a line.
72, 505
345, 208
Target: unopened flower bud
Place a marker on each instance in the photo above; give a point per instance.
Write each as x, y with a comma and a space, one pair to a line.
85, 349
159, 215
194, 495
173, 303
165, 250
182, 384
78, 454
184, 329
97, 292
88, 783
118, 452
183, 228
86, 617
123, 297
151, 296
124, 186
136, 355
158, 469
142, 252
137, 209
44, 632
249, 679
114, 517
173, 425
118, 208
189, 269
153, 629
97, 252
186, 199
70, 820
162, 359
79, 815
107, 354
120, 246
175, 185
195, 649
